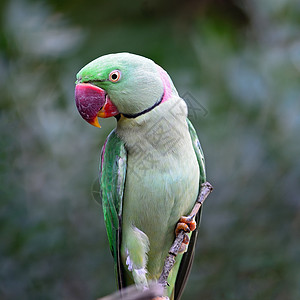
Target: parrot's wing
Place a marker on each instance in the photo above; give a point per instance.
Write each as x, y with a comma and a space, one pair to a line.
188, 257
112, 181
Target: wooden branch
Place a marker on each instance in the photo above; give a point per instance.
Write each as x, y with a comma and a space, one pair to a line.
205, 190
133, 293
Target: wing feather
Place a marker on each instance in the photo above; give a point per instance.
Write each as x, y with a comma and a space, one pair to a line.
188, 257
112, 181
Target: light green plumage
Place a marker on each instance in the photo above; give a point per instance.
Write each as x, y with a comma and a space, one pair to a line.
162, 178
151, 173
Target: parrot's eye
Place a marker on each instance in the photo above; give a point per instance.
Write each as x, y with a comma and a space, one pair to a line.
114, 76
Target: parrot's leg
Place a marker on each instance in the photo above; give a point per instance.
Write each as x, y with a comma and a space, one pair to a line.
187, 224
134, 250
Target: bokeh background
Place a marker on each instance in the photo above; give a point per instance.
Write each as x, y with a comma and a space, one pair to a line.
236, 62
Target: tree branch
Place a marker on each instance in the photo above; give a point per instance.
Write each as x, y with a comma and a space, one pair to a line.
133, 293
205, 190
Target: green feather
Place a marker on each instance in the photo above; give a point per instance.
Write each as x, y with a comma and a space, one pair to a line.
112, 180
198, 151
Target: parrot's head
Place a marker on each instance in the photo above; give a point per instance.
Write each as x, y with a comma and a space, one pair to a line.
121, 83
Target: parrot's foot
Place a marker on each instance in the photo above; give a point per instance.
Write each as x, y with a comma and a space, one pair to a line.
187, 224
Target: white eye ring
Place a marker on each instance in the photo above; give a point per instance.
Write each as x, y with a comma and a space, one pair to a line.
114, 76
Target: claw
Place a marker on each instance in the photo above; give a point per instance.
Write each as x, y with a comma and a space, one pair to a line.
182, 226
187, 224
184, 245
186, 239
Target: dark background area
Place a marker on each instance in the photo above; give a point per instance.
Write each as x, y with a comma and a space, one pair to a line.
236, 63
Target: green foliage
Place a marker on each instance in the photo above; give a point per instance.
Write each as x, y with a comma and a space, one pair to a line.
238, 63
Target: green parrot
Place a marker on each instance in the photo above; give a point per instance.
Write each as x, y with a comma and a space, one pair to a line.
151, 166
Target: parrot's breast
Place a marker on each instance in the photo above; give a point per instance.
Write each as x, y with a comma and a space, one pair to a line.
162, 179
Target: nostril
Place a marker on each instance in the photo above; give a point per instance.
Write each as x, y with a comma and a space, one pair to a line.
78, 79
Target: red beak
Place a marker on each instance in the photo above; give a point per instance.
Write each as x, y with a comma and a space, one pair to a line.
92, 101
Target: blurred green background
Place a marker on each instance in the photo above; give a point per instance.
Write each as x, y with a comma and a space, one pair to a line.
236, 62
